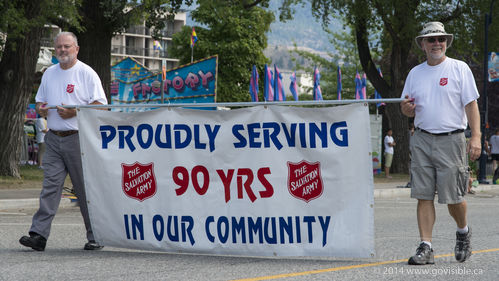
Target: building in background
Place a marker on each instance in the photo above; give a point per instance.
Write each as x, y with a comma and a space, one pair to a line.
135, 42
305, 82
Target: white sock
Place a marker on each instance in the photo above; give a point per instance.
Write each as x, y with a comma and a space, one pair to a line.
463, 230
427, 243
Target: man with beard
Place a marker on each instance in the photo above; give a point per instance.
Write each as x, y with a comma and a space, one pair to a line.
70, 82
441, 96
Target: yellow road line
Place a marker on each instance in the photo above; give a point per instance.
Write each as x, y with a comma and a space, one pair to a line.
340, 268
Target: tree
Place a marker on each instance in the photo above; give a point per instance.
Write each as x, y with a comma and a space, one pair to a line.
345, 56
22, 23
236, 32
23, 20
102, 19
398, 22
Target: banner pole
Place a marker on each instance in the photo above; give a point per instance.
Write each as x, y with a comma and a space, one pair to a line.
163, 77
232, 104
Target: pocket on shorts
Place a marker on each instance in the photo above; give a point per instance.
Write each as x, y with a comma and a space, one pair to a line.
422, 182
462, 180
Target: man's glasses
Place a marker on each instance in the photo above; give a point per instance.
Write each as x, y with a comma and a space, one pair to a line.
433, 39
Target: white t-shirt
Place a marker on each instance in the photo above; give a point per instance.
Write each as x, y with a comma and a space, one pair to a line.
41, 125
494, 143
79, 85
388, 148
441, 92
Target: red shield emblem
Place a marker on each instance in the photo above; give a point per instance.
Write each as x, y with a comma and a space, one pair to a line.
443, 81
304, 180
138, 180
70, 88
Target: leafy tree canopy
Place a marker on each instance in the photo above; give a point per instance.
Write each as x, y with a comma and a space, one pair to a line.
236, 32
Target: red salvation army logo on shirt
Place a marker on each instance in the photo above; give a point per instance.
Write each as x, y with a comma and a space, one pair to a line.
138, 180
443, 81
70, 88
304, 180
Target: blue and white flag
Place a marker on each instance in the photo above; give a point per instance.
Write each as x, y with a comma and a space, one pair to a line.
293, 87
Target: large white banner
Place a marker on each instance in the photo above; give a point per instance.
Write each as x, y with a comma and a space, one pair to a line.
260, 181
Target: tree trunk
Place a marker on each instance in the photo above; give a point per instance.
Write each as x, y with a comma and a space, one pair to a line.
393, 117
17, 70
91, 52
400, 127
95, 41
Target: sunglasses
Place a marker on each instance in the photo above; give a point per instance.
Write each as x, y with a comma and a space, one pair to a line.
433, 39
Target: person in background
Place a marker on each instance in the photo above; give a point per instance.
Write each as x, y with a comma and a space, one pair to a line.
41, 130
494, 150
70, 82
389, 144
441, 95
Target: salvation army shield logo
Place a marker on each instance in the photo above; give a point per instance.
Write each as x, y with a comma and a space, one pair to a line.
304, 180
138, 180
443, 81
70, 88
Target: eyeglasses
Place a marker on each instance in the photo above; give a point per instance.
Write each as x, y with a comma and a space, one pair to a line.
67, 46
433, 39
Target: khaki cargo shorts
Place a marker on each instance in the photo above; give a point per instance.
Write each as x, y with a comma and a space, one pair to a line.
388, 159
439, 164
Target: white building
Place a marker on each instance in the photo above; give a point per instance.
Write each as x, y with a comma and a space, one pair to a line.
304, 80
135, 42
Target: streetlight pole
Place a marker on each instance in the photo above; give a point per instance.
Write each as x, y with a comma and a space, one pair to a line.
485, 109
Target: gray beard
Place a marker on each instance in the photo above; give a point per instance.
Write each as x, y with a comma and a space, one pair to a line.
64, 59
437, 57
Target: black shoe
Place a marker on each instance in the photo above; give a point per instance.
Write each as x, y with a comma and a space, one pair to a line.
92, 245
462, 251
34, 241
424, 255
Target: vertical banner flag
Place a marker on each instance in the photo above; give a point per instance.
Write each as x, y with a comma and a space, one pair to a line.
268, 91
194, 37
301, 184
253, 89
157, 45
376, 142
493, 67
317, 87
279, 94
339, 86
358, 87
376, 94
364, 86
293, 87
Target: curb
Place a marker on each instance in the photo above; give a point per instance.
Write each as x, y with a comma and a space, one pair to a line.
7, 204
406, 192
384, 193
391, 193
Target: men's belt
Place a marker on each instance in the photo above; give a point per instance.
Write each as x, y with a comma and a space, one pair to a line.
441, 134
64, 133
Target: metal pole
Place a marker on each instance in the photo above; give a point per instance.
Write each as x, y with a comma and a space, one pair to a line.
163, 69
482, 177
233, 104
162, 90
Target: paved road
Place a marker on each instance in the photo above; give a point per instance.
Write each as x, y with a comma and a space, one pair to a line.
396, 239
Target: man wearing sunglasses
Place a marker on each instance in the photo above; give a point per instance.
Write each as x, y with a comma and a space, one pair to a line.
441, 95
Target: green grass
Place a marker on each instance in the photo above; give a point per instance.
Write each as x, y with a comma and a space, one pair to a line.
395, 177
28, 173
